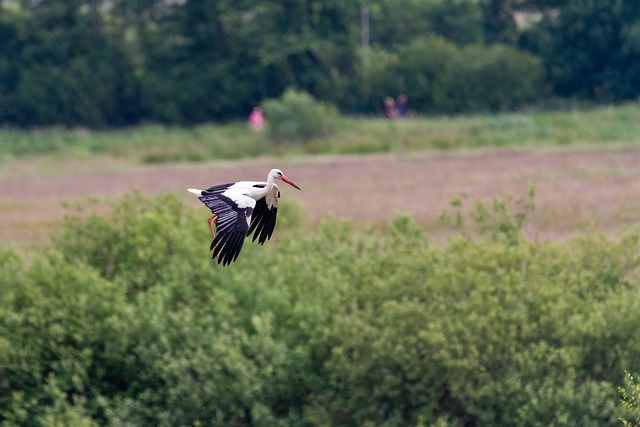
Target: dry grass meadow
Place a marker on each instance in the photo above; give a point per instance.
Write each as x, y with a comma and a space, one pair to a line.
577, 189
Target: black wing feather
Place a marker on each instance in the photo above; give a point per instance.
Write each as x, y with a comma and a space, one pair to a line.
228, 249
263, 221
218, 188
231, 224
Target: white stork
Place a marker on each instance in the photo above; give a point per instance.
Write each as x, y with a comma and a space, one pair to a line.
239, 209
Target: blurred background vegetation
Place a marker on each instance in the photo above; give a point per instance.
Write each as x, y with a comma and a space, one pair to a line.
106, 63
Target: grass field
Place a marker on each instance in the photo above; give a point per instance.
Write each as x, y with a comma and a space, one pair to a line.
156, 144
584, 166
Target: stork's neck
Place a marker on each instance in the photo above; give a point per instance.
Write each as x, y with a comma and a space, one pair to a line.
260, 192
270, 180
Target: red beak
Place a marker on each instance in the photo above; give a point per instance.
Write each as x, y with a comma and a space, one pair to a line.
291, 183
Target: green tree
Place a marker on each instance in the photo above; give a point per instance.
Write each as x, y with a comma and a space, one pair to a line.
71, 72
309, 45
398, 22
224, 57
589, 49
500, 17
499, 21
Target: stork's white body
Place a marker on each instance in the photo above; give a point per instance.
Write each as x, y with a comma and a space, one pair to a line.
239, 209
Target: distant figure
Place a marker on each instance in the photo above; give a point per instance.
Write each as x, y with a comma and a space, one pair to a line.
390, 108
403, 105
256, 119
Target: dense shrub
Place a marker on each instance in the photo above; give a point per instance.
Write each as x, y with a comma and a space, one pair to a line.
499, 78
126, 321
441, 77
297, 116
631, 400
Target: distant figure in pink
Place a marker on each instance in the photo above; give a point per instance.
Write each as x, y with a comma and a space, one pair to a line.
256, 119
390, 109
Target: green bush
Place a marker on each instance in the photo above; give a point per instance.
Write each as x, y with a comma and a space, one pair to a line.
127, 321
440, 77
63, 338
499, 78
296, 116
631, 400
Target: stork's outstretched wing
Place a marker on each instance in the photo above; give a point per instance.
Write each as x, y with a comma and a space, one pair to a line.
263, 221
232, 211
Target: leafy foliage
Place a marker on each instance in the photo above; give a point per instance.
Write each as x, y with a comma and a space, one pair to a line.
297, 116
126, 321
587, 45
442, 77
68, 72
631, 400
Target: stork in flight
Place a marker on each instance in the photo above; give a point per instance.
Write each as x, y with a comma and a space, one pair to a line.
239, 209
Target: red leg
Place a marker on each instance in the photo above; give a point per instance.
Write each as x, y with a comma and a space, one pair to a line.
213, 218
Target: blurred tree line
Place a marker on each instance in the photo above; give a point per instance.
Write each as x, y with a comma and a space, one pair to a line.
118, 62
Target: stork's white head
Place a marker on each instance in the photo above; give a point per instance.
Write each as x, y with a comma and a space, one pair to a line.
277, 174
